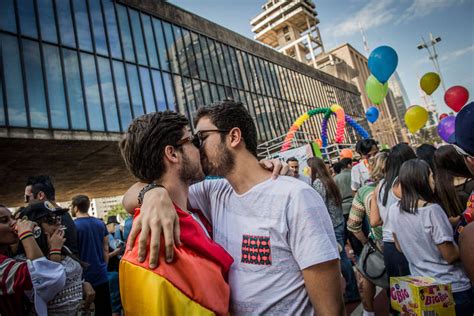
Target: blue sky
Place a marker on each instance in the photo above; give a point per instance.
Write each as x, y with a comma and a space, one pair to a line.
397, 23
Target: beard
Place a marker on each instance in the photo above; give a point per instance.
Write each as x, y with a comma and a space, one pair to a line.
191, 171
222, 165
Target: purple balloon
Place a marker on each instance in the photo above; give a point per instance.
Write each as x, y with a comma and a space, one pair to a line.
446, 128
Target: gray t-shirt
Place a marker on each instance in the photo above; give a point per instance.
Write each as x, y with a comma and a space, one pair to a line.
273, 231
418, 235
384, 210
343, 182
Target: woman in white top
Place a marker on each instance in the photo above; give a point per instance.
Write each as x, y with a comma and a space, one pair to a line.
422, 231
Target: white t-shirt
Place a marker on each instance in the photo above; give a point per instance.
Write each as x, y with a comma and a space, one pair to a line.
273, 231
384, 210
418, 235
359, 175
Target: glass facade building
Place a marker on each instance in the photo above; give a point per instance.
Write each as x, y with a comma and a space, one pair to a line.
94, 65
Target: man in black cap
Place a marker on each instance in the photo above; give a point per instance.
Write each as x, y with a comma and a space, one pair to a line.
40, 188
464, 145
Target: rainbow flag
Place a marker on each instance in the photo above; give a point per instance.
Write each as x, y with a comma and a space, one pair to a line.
195, 283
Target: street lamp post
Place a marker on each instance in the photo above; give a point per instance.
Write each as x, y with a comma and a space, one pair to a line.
433, 54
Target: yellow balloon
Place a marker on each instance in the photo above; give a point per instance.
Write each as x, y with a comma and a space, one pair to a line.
416, 117
430, 82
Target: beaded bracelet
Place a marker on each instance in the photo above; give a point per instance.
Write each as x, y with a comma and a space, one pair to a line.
25, 235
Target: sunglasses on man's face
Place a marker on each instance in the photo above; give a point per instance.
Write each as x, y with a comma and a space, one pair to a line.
198, 139
51, 219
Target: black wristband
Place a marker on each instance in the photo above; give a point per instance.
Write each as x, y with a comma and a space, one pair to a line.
147, 188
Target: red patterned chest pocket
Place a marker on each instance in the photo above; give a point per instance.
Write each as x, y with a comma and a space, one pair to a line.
256, 250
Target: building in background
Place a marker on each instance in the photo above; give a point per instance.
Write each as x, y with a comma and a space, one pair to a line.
74, 73
101, 206
290, 27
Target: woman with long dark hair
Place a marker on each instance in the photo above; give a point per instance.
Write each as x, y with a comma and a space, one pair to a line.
38, 276
453, 182
324, 184
384, 197
424, 234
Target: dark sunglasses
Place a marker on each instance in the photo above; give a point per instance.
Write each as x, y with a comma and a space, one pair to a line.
51, 219
198, 138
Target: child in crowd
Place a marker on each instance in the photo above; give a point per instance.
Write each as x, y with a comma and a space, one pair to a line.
424, 234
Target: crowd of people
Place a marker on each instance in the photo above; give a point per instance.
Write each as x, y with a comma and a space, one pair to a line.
258, 237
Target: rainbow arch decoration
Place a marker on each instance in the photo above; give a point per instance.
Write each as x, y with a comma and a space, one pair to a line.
341, 118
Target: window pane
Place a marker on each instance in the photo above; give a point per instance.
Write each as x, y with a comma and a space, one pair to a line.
206, 93
160, 42
74, 90
66, 29
94, 110
199, 56
7, 16
198, 93
147, 90
214, 93
122, 94
222, 63
98, 27
125, 32
228, 65
134, 84
214, 61
108, 95
150, 41
47, 20
180, 50
188, 44
54, 77
26, 11
170, 47
235, 66
35, 84
180, 98
242, 70
138, 36
82, 25
159, 90
188, 90
207, 58
112, 30
14, 85
169, 91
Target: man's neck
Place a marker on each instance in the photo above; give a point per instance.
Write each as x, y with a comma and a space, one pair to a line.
247, 173
81, 215
177, 189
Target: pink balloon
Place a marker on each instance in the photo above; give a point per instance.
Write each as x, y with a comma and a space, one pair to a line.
456, 97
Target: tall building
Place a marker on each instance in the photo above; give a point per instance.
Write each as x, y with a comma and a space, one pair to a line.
347, 63
400, 96
290, 27
74, 73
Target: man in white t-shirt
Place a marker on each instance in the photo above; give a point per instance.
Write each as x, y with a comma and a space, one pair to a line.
294, 165
367, 148
279, 232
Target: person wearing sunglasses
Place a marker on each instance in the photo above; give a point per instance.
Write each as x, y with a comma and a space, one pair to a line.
159, 149
278, 231
50, 237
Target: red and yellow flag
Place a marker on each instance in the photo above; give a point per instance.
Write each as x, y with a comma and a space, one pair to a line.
193, 284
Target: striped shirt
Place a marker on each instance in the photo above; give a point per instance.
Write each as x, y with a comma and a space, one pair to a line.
14, 281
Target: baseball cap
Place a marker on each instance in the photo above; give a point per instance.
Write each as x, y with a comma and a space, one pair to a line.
346, 153
463, 133
37, 210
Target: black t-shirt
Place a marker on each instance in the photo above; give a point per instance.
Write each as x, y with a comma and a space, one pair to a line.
70, 233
